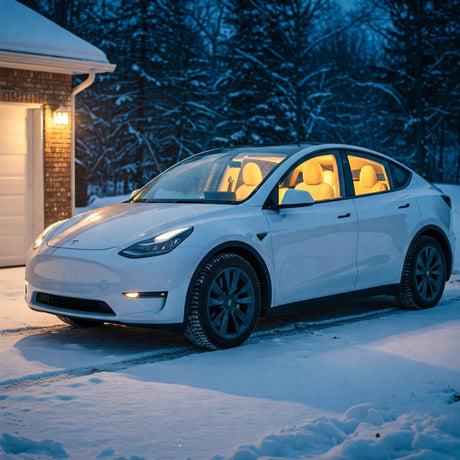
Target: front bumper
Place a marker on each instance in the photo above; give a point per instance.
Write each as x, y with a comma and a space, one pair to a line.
74, 282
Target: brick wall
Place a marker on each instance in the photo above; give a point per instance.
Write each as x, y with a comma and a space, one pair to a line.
51, 90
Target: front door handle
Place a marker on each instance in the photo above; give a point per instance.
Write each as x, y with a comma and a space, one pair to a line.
404, 206
344, 216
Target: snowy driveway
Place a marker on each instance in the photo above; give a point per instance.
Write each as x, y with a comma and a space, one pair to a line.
380, 385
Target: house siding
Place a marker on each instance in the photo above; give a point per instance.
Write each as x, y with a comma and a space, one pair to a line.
50, 90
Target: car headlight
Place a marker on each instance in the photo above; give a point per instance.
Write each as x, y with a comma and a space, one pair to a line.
160, 244
44, 235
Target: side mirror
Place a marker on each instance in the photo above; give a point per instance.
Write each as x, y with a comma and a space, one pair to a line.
294, 197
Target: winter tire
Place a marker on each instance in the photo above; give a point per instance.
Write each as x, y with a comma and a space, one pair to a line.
79, 322
424, 275
225, 303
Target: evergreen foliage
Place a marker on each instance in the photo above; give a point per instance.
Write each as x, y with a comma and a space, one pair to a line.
421, 66
193, 75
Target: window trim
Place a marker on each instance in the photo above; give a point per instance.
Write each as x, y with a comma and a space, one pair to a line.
390, 174
377, 159
272, 201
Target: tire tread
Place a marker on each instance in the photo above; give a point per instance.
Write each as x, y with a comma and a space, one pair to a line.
406, 296
194, 330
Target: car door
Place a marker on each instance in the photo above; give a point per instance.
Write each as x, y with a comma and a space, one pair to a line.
387, 215
314, 246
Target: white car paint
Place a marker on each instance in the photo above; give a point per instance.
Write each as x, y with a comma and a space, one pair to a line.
104, 275
306, 242
387, 224
306, 251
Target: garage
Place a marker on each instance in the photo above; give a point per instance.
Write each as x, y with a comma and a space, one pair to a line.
37, 143
21, 180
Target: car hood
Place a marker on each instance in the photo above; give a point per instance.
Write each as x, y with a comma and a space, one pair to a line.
121, 224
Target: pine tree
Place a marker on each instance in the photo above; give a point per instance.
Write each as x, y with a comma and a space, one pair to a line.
422, 68
251, 102
157, 117
282, 84
350, 110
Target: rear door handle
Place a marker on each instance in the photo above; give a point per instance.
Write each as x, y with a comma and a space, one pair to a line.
344, 216
404, 206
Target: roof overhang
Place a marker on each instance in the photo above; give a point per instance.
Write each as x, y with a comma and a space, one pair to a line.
52, 64
32, 42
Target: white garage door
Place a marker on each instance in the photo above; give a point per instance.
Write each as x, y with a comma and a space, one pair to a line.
21, 160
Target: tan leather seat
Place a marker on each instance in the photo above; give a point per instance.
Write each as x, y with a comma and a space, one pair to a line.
329, 178
252, 177
313, 182
368, 182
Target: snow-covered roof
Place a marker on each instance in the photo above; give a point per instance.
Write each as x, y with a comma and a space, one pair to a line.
30, 41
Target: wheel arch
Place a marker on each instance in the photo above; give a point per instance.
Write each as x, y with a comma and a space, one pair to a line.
246, 252
439, 235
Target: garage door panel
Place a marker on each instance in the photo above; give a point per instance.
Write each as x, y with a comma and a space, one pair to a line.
9, 245
12, 145
13, 185
11, 231
18, 138
12, 222
14, 130
14, 164
15, 206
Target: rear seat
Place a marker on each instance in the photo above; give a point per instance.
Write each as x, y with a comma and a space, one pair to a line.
368, 182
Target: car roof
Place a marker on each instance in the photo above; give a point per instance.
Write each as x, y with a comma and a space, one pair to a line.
291, 149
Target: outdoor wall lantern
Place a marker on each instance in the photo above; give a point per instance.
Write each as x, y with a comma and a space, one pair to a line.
61, 116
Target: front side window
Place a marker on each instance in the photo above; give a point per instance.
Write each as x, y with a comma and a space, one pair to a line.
369, 175
318, 176
227, 176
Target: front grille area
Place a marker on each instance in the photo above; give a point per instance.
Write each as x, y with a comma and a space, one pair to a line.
71, 303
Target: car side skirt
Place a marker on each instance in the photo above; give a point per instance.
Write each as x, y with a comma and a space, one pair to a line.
390, 290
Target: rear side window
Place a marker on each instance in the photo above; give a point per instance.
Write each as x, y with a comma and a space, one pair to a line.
369, 175
399, 175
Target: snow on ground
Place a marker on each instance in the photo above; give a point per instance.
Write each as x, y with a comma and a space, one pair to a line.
380, 387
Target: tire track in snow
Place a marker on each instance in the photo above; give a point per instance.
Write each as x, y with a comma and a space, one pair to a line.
176, 352
114, 366
27, 329
302, 326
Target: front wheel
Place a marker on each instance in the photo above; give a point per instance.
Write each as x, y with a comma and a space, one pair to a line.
424, 275
225, 303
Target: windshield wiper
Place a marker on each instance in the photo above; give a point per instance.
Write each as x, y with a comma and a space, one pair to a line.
190, 201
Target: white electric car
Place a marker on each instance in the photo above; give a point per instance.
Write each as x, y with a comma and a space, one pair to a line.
228, 235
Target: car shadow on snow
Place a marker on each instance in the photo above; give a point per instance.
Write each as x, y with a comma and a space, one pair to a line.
66, 346
69, 347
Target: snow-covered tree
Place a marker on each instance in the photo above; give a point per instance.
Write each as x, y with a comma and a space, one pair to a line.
158, 94
207, 17
422, 69
289, 60
193, 75
275, 92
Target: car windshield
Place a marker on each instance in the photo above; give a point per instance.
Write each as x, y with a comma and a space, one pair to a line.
224, 176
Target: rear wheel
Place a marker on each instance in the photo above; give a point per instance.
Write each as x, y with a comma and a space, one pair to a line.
225, 303
424, 275
79, 322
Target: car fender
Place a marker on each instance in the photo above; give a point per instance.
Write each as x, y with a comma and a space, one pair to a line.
247, 251
438, 234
